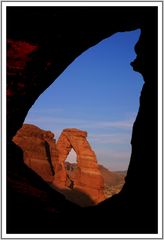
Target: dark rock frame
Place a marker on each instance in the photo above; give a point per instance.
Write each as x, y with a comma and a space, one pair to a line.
41, 43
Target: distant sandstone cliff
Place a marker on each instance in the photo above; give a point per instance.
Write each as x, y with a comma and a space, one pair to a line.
114, 181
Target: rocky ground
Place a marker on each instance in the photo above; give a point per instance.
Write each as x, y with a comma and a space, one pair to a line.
114, 181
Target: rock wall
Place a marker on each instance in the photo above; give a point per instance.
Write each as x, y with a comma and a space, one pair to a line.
39, 150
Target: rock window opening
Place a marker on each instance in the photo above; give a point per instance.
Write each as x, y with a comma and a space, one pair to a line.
36, 56
98, 93
71, 168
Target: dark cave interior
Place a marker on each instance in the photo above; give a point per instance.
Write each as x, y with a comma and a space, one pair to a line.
41, 43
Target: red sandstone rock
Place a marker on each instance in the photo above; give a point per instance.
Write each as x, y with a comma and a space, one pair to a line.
47, 159
39, 150
88, 178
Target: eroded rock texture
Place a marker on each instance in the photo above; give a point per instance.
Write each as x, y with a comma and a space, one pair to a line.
39, 150
87, 177
47, 159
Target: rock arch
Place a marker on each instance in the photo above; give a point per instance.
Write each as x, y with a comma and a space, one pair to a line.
43, 155
88, 178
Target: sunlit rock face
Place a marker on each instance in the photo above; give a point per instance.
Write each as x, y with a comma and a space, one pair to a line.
47, 159
87, 177
39, 150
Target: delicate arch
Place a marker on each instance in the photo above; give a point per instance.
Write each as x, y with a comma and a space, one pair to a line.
88, 177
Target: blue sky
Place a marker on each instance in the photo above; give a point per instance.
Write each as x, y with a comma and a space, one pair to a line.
99, 93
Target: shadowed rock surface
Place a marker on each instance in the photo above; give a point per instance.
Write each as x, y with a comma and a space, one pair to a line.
37, 53
39, 150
